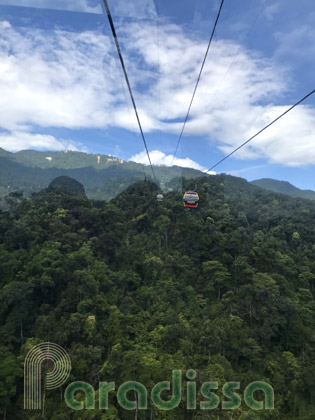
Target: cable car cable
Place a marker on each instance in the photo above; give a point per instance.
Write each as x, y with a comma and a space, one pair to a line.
112, 26
159, 61
263, 129
198, 79
262, 8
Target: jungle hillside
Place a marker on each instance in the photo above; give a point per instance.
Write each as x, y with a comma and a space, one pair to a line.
135, 288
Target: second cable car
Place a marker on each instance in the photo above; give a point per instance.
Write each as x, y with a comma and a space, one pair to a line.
191, 199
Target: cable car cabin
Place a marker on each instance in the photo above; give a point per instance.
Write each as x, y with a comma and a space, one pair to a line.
191, 199
159, 197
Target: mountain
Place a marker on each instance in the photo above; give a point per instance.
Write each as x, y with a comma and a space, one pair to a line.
284, 187
102, 176
66, 185
135, 288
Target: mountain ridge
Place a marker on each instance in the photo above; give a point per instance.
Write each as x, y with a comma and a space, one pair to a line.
103, 176
283, 187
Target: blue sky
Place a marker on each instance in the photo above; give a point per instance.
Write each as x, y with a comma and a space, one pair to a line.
63, 88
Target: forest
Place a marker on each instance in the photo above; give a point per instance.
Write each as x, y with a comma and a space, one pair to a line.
103, 176
135, 288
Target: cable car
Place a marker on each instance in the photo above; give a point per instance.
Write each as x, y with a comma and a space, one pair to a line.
191, 199
159, 197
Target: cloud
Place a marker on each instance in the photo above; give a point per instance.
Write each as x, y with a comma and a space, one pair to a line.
87, 6
135, 9
229, 107
238, 172
16, 141
159, 158
73, 80
271, 11
290, 141
56, 79
297, 45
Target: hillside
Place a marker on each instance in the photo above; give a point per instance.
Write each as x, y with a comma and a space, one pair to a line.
135, 288
284, 187
103, 177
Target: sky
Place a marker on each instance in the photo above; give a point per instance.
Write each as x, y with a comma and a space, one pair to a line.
62, 86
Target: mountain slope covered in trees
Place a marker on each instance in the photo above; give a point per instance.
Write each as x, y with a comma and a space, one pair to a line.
103, 176
135, 288
284, 187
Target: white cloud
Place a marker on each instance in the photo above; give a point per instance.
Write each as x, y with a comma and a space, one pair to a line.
238, 172
16, 141
56, 80
135, 9
87, 6
159, 158
73, 80
297, 45
271, 11
4, 24
229, 107
290, 141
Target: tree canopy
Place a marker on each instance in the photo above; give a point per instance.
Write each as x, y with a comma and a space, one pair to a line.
136, 288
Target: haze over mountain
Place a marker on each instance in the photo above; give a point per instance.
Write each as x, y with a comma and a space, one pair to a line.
283, 187
102, 176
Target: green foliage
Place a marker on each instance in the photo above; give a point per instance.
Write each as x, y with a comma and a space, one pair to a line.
103, 177
66, 185
284, 187
136, 288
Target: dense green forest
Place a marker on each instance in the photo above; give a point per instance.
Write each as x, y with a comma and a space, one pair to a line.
103, 176
135, 288
284, 187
